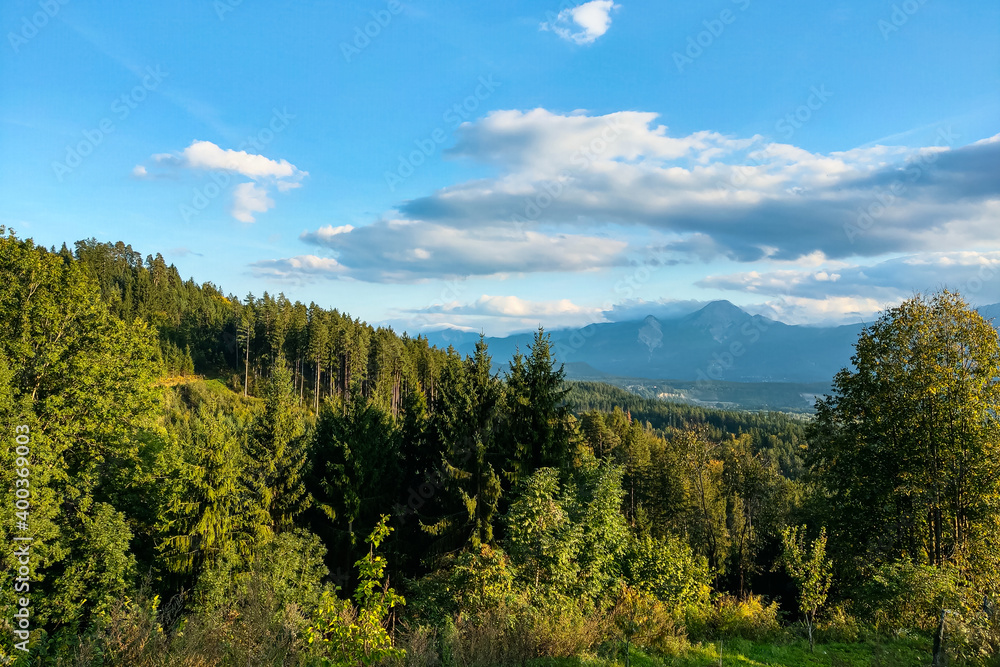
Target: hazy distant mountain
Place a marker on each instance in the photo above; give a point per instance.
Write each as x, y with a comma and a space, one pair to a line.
718, 342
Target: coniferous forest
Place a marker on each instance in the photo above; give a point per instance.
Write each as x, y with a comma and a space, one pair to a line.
214, 479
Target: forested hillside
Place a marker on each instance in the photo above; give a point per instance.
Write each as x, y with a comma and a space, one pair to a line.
222, 480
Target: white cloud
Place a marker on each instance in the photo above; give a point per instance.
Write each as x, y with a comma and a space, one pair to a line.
976, 275
513, 306
504, 314
828, 310
750, 198
303, 268
208, 156
583, 24
324, 234
249, 198
393, 250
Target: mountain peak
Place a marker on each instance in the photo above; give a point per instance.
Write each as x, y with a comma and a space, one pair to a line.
723, 305
717, 317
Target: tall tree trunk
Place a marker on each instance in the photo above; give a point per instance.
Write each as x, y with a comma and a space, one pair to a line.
317, 387
246, 372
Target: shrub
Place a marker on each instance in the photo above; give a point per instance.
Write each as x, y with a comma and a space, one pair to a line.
640, 619
903, 595
838, 625
727, 617
419, 646
669, 571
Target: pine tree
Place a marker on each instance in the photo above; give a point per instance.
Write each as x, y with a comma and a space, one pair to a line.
280, 451
465, 423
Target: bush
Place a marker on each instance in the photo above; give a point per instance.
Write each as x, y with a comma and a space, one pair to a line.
511, 634
640, 619
728, 617
903, 595
838, 625
419, 646
473, 583
668, 570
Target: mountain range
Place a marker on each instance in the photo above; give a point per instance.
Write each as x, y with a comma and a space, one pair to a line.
719, 342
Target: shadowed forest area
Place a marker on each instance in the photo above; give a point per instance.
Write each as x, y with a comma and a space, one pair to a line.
222, 480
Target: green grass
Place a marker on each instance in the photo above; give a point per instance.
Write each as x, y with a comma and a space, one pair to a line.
743, 653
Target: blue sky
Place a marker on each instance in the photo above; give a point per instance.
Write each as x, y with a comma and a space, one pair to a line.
499, 165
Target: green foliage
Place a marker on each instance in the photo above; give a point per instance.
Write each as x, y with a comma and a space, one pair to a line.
568, 538
524, 526
279, 450
80, 380
906, 448
905, 594
810, 569
474, 583
535, 427
777, 435
344, 634
465, 423
639, 618
668, 570
727, 617
214, 511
